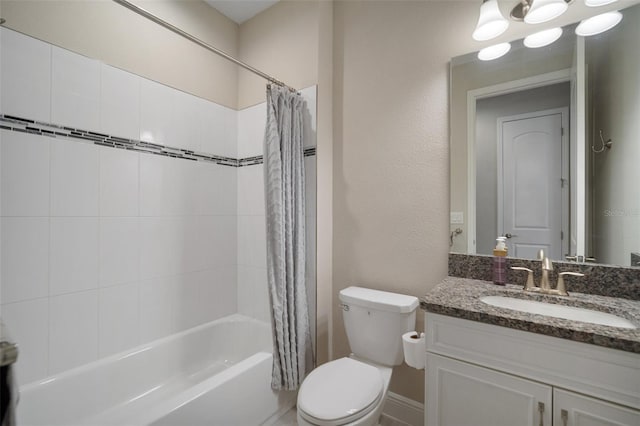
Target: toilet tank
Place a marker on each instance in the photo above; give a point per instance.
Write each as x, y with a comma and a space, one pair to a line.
375, 322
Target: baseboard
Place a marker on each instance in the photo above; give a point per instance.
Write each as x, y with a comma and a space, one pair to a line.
404, 409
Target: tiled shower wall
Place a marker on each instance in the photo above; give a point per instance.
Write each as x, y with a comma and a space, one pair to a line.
104, 248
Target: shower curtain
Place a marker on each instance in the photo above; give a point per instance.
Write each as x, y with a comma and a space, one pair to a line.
285, 220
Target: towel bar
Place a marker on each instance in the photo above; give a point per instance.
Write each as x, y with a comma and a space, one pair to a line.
8, 353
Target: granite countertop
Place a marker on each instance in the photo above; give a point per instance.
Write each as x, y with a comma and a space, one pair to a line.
460, 297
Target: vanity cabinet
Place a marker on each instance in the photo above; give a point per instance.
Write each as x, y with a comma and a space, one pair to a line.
572, 409
480, 374
464, 394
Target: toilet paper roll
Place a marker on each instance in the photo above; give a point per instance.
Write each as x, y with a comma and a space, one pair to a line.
414, 349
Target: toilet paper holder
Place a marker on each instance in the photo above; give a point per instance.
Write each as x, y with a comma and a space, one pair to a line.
414, 347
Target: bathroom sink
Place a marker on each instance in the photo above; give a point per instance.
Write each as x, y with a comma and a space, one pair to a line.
558, 311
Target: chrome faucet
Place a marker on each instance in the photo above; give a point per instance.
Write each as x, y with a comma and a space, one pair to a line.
545, 287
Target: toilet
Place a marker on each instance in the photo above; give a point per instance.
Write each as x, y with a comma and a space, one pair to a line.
352, 390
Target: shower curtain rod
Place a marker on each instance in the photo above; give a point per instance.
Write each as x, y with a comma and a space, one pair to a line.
154, 18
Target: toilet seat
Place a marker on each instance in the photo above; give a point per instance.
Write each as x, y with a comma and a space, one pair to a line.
340, 392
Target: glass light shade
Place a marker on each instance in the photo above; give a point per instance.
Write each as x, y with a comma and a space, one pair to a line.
542, 38
545, 10
494, 52
598, 24
491, 23
596, 3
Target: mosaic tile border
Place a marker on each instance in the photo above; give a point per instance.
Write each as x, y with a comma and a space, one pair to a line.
603, 280
24, 125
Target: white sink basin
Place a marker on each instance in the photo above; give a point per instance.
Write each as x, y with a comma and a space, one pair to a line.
558, 311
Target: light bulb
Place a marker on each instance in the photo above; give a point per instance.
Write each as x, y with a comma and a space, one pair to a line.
598, 24
494, 52
597, 3
542, 38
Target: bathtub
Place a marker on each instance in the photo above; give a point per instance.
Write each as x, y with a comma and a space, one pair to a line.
218, 373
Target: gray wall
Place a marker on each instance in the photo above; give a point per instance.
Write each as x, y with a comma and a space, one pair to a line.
487, 113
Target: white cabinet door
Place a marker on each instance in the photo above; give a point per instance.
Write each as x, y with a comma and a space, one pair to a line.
461, 394
570, 409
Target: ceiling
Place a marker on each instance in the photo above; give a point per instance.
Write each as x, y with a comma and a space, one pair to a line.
240, 10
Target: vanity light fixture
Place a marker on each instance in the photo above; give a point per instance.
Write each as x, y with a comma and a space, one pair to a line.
542, 38
491, 23
598, 24
597, 3
494, 52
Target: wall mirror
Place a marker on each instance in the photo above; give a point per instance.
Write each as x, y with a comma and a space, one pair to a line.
545, 148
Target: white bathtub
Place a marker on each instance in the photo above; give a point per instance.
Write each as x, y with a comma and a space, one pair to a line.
214, 374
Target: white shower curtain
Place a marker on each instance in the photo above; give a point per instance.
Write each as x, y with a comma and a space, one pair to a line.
285, 217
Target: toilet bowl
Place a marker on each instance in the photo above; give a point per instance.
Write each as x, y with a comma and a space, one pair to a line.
352, 390
347, 391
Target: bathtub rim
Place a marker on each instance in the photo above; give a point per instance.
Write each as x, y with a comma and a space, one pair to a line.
143, 347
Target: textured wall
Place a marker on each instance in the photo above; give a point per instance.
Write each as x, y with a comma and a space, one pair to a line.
390, 154
282, 41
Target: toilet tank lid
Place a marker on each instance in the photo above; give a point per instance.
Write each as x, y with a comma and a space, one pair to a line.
380, 300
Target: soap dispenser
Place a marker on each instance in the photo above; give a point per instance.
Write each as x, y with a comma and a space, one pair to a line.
500, 261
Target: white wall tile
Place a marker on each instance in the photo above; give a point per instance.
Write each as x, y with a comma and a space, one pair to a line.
75, 178
24, 174
224, 190
309, 116
73, 330
156, 113
220, 292
261, 295
74, 254
210, 125
253, 296
229, 146
118, 318
119, 250
25, 76
154, 199
218, 127
310, 185
251, 190
161, 246
119, 103
119, 193
198, 242
245, 290
75, 90
157, 298
186, 132
226, 240
251, 125
25, 258
164, 189
252, 249
28, 323
190, 308
214, 189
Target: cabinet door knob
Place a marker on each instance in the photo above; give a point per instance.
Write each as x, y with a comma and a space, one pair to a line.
541, 410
